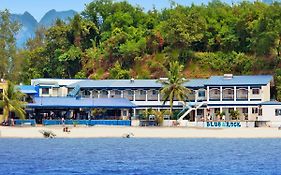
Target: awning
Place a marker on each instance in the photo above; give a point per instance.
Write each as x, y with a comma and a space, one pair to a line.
26, 89
70, 102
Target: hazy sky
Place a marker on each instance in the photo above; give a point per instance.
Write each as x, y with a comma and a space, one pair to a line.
39, 7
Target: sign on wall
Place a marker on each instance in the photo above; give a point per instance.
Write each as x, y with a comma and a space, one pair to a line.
223, 124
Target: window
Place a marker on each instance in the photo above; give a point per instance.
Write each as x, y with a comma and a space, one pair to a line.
260, 112
45, 91
229, 92
104, 92
117, 92
86, 92
256, 91
125, 113
277, 112
216, 92
142, 92
154, 92
201, 93
245, 110
254, 110
130, 92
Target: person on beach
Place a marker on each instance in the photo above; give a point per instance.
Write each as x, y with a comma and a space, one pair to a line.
62, 121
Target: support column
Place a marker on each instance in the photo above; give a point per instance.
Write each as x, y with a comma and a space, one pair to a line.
146, 95
196, 95
122, 94
235, 93
108, 93
159, 96
249, 92
134, 99
220, 93
135, 113
195, 115
208, 93
98, 94
91, 94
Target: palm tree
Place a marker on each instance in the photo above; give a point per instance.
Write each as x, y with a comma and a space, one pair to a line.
173, 87
12, 101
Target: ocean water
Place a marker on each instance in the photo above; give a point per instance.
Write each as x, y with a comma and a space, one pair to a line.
139, 156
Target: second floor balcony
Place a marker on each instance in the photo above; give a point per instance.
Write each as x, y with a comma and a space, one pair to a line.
140, 95
214, 94
241, 94
228, 94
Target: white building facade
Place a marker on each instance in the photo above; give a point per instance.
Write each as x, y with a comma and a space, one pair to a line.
223, 99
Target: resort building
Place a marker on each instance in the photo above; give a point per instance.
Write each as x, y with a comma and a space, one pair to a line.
219, 101
218, 98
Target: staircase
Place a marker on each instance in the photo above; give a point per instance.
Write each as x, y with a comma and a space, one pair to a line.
188, 109
74, 92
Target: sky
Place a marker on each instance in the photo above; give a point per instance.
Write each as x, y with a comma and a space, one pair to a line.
38, 8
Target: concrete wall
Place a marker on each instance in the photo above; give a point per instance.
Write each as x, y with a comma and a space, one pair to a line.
268, 113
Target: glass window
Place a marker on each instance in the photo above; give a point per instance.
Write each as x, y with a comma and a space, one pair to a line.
260, 112
245, 110
117, 92
256, 91
201, 93
86, 92
130, 92
142, 92
45, 91
104, 92
254, 110
124, 113
277, 112
154, 92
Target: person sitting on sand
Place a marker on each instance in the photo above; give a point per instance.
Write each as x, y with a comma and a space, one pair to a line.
66, 129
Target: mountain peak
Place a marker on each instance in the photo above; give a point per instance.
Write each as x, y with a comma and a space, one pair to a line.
51, 16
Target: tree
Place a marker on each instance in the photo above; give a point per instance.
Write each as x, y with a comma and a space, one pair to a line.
8, 59
173, 88
118, 73
12, 101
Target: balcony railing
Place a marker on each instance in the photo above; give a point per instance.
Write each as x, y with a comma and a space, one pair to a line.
115, 94
104, 94
241, 94
129, 95
152, 95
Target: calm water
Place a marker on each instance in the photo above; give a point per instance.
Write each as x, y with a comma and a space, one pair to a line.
140, 156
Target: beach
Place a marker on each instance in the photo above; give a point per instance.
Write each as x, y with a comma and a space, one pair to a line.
139, 132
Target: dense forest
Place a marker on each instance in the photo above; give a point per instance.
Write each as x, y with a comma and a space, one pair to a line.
118, 40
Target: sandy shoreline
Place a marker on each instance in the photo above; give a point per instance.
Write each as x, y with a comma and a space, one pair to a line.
140, 132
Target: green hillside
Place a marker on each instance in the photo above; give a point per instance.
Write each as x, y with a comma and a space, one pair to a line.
118, 40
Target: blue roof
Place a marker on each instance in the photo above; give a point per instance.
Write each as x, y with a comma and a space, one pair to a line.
270, 103
70, 102
27, 89
111, 84
239, 80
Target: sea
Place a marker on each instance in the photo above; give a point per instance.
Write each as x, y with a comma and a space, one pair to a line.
136, 156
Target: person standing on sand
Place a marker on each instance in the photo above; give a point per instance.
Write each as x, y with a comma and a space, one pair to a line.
62, 121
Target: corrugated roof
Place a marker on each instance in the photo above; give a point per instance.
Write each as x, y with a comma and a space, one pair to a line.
152, 83
27, 89
270, 103
70, 102
240, 80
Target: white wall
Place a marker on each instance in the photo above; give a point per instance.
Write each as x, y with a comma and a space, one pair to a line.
268, 113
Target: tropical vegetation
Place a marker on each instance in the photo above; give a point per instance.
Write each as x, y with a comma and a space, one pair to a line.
12, 102
173, 88
114, 39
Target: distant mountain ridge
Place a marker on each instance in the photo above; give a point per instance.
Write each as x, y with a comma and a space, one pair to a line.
29, 24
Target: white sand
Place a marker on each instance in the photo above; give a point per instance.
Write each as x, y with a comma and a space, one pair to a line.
140, 132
